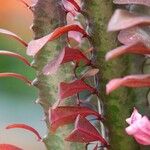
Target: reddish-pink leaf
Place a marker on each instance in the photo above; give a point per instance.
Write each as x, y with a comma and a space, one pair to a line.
128, 81
9, 147
136, 48
72, 88
69, 89
67, 114
85, 132
134, 35
35, 45
15, 75
9, 33
67, 55
140, 2
123, 19
26, 127
8, 53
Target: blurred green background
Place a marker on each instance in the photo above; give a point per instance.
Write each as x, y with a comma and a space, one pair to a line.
17, 100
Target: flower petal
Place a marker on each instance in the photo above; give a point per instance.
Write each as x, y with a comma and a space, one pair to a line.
123, 19
140, 130
26, 127
134, 117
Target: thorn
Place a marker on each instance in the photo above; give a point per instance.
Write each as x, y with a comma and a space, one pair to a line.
27, 5
35, 82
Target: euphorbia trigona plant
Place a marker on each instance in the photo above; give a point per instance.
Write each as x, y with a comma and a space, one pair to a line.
68, 50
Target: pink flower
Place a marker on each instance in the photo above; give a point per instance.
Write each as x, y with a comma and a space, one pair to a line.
139, 128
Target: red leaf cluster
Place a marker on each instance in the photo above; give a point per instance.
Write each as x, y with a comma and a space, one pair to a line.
67, 114
63, 115
85, 132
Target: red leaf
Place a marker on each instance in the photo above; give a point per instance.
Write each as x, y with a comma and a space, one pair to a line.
7, 53
67, 114
9, 33
35, 45
26, 127
141, 2
128, 81
134, 35
9, 147
67, 55
136, 48
69, 89
15, 75
72, 88
85, 132
123, 19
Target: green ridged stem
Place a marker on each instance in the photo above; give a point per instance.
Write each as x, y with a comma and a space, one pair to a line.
48, 15
119, 104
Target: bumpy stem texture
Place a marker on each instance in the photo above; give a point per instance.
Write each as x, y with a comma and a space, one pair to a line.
48, 15
119, 104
